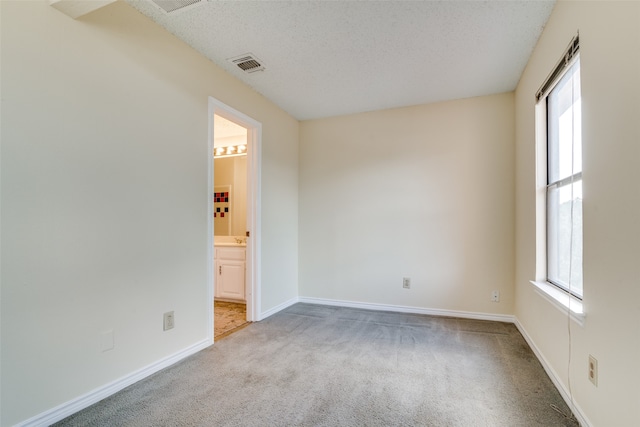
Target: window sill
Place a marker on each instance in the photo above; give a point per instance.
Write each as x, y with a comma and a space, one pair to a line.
561, 300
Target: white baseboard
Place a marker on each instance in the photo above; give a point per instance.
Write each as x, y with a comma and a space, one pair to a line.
407, 309
68, 408
577, 411
278, 308
71, 407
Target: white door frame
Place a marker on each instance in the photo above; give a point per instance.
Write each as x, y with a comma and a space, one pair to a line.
254, 157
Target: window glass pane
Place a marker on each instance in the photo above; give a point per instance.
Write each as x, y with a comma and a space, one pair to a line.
564, 127
564, 236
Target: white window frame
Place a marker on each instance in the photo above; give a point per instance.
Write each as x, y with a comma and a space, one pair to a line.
558, 295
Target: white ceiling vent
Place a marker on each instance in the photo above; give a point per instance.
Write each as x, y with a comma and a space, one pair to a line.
247, 63
173, 6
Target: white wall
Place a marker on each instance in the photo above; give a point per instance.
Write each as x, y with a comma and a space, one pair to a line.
610, 68
104, 198
425, 192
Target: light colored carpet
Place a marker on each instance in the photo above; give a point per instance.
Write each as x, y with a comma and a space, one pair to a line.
228, 317
314, 365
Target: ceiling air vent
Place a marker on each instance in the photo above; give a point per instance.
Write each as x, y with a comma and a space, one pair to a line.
172, 6
247, 63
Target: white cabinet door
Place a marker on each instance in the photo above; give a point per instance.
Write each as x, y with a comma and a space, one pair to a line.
230, 273
231, 279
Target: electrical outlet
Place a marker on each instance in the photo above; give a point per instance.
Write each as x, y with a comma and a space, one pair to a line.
495, 296
168, 320
406, 282
593, 370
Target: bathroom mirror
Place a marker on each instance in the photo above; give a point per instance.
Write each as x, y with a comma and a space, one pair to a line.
230, 196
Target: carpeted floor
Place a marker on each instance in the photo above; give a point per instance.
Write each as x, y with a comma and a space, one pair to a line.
228, 317
313, 365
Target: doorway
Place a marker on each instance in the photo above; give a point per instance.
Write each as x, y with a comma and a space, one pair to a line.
230, 211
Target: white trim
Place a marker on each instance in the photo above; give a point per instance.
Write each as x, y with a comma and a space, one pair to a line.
541, 189
253, 289
279, 307
561, 300
254, 219
578, 412
407, 309
71, 407
210, 247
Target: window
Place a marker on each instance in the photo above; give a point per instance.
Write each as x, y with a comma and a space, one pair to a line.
560, 98
564, 183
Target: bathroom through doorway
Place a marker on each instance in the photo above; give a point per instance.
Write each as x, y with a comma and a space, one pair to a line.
234, 153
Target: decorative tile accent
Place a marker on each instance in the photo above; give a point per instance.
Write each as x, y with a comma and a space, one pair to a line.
222, 209
221, 199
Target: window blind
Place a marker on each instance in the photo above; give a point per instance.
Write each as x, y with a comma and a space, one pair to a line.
564, 62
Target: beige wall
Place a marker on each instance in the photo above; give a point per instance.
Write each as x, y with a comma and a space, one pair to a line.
104, 182
424, 192
610, 66
104, 198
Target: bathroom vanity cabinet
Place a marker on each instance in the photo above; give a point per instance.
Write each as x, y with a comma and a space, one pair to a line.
230, 264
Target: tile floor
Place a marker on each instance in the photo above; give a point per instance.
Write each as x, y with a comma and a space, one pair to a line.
228, 317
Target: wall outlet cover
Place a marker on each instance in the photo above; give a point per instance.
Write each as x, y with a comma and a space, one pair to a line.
168, 321
593, 370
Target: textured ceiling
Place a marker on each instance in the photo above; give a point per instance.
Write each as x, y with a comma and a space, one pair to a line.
329, 58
